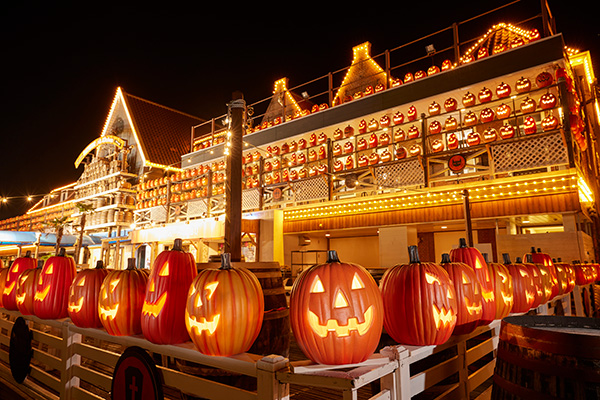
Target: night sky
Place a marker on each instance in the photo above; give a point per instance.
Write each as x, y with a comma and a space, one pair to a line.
62, 64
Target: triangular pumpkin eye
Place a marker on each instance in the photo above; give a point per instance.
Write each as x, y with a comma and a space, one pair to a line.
340, 300
164, 271
465, 279
317, 286
357, 283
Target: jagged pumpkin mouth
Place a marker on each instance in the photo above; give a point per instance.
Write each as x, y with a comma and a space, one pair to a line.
334, 326
202, 324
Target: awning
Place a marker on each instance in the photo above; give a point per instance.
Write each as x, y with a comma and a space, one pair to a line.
46, 239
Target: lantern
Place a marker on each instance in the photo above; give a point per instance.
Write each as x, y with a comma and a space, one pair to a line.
337, 149
547, 101
420, 74
529, 126
363, 160
549, 123
224, 309
435, 127
523, 85
473, 139
468, 295
542, 282
503, 111
348, 147
384, 139
470, 119
415, 150
322, 138
3, 275
489, 135
52, 292
166, 295
386, 156
419, 301
9, 294
450, 124
384, 121
373, 141
434, 108
469, 99
446, 65
413, 132
486, 115
400, 152
528, 105
450, 104
83, 297
373, 125
452, 141
503, 90
482, 52
302, 144
373, 158
565, 277
411, 113
433, 70
399, 135
322, 153
471, 256
524, 291
312, 154
312, 140
485, 95
26, 287
437, 145
337, 166
362, 126
121, 300
349, 164
503, 288
507, 131
544, 79
398, 118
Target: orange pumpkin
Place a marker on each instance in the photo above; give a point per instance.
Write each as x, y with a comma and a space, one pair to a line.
52, 293
83, 296
9, 294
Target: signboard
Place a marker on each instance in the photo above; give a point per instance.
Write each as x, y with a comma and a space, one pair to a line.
20, 351
457, 163
136, 377
106, 139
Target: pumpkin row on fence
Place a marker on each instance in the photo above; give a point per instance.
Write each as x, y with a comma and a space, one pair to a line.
337, 310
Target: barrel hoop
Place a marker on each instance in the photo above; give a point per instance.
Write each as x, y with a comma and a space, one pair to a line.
275, 291
519, 391
276, 313
545, 367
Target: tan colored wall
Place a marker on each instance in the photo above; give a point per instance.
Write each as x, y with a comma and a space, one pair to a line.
566, 245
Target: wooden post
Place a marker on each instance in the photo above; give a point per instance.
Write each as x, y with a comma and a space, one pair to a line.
233, 185
468, 224
268, 386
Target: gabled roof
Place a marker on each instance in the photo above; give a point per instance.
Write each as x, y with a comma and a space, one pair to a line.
163, 133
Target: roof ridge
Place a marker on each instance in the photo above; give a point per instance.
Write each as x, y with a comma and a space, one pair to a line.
127, 94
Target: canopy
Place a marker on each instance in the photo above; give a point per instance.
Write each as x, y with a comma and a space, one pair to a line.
46, 239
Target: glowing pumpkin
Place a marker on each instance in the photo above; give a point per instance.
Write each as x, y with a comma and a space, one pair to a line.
163, 312
502, 283
9, 294
52, 292
121, 300
523, 85
83, 296
450, 104
419, 301
565, 277
471, 256
524, 291
468, 295
26, 286
224, 309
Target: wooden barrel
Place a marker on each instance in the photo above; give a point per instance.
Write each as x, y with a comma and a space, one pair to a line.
548, 357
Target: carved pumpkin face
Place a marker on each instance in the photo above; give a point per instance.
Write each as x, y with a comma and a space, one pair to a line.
412, 113
384, 139
507, 132
503, 90
434, 69
503, 289
529, 126
523, 85
435, 127
419, 301
121, 300
373, 141
398, 118
547, 101
362, 126
26, 287
452, 141
363, 160
528, 105
450, 104
9, 294
373, 125
434, 108
83, 297
544, 79
166, 294
336, 312
450, 124
399, 135
470, 119
489, 135
384, 121
469, 99
487, 115
485, 95
549, 123
437, 145
468, 295
473, 139
503, 111
52, 293
413, 132
224, 310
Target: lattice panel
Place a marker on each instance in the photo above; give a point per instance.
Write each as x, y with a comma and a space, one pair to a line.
408, 173
158, 213
537, 152
250, 199
196, 208
311, 189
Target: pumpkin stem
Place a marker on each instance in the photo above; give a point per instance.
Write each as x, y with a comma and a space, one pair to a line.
332, 256
413, 255
131, 263
62, 252
518, 260
506, 258
532, 250
539, 250
177, 245
99, 264
446, 258
226, 261
462, 242
28, 254
529, 258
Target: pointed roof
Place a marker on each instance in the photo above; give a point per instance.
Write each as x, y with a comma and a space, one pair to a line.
497, 39
162, 133
285, 103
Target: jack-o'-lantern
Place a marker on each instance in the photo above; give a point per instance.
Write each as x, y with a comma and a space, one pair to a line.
544, 79
395, 82
314, 108
435, 127
446, 65
373, 158
503, 288
482, 52
276, 177
336, 312
121, 300
450, 104
507, 131
524, 291
172, 273
499, 48
372, 141
399, 135
415, 150
467, 59
547, 101
469, 99
419, 301
544, 259
523, 85
529, 126
267, 166
26, 287
434, 108
386, 156
487, 115
302, 173
473, 139
52, 294
379, 87
348, 147
83, 296
338, 166
516, 42
485, 95
472, 257
255, 156
322, 138
549, 123
302, 144
322, 168
489, 135
312, 171
362, 126
541, 281
503, 111
452, 141
384, 139
437, 145
224, 309
434, 69
470, 119
349, 164
384, 121
363, 161
369, 90
420, 74
285, 175
312, 155
534, 34
583, 274
373, 125
301, 158
322, 153
413, 132
312, 140
565, 277
450, 124
528, 105
408, 77
337, 149
285, 148
398, 118
503, 90
293, 146
400, 152
468, 295
411, 114
20, 264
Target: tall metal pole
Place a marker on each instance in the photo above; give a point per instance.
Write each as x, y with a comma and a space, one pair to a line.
468, 224
233, 185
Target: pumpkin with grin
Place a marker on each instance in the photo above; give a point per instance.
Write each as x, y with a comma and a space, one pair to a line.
52, 293
83, 296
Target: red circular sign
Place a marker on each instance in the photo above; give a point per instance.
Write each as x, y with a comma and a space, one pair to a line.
457, 163
136, 377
